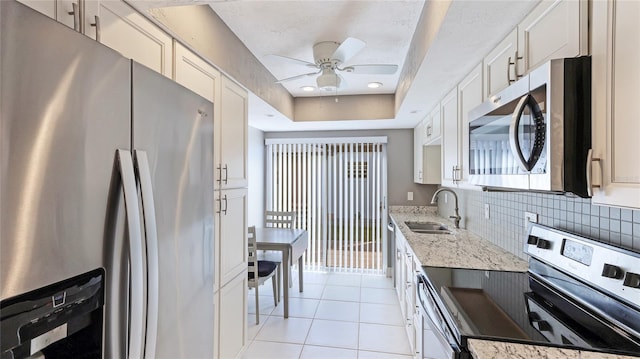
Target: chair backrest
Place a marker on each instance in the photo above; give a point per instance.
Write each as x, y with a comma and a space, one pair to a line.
280, 219
252, 248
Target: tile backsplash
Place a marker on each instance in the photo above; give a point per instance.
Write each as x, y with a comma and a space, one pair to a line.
506, 225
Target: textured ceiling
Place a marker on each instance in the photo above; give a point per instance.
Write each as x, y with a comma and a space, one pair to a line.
469, 30
291, 28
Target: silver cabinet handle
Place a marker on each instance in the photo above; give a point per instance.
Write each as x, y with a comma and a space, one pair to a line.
515, 66
143, 174
76, 16
96, 24
590, 160
137, 275
219, 180
226, 174
513, 63
226, 203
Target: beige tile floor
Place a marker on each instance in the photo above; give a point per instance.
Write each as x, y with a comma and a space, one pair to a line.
337, 316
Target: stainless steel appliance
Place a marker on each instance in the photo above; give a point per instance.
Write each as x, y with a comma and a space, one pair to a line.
535, 135
106, 164
578, 294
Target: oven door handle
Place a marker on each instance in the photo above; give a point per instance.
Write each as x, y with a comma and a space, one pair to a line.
539, 133
428, 314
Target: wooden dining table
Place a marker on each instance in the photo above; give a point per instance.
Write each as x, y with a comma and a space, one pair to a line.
292, 243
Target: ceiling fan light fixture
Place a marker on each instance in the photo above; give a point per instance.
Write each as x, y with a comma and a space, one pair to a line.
374, 85
328, 81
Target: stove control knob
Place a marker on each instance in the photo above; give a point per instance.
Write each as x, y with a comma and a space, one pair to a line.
532, 240
632, 280
543, 244
611, 271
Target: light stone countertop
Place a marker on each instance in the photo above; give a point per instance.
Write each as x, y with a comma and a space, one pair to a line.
464, 249
497, 350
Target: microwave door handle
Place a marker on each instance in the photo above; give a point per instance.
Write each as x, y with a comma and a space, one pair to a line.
513, 133
143, 172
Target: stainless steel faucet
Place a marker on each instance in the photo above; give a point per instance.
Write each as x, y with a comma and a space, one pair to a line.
434, 200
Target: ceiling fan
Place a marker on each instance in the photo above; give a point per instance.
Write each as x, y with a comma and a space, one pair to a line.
328, 57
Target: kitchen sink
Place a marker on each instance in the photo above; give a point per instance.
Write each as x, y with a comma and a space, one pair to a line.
428, 227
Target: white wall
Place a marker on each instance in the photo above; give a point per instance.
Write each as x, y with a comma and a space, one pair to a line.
256, 159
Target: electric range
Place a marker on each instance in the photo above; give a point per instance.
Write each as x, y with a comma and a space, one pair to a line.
578, 294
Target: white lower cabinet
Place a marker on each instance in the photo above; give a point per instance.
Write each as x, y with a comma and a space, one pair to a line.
407, 266
231, 317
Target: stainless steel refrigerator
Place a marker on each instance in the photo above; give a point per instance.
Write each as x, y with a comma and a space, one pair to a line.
106, 164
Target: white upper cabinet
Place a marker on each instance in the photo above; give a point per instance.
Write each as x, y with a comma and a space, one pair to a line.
469, 96
450, 139
194, 73
231, 224
46, 7
552, 30
126, 31
615, 94
68, 12
232, 136
418, 139
432, 128
499, 64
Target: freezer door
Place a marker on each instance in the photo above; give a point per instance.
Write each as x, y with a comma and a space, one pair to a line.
174, 127
64, 112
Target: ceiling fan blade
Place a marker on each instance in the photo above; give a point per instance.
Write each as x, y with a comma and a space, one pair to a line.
295, 61
347, 49
297, 77
372, 69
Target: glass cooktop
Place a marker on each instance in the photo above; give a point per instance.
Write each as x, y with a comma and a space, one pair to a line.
520, 307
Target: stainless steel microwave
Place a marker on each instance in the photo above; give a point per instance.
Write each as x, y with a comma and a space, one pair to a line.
535, 135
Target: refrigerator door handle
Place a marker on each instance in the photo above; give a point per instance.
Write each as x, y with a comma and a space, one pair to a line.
136, 289
143, 174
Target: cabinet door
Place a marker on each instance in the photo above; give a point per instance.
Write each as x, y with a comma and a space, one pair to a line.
92, 24
66, 13
469, 96
231, 253
233, 135
499, 64
126, 31
616, 89
553, 30
47, 7
433, 127
232, 330
450, 160
418, 139
194, 73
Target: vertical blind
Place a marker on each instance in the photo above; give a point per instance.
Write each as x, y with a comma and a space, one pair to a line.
337, 187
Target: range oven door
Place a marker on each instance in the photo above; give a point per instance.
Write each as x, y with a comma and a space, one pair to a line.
507, 138
437, 341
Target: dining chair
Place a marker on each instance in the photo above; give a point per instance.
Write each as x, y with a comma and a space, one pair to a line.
279, 219
260, 271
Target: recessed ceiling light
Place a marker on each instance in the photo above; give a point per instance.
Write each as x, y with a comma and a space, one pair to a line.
307, 88
415, 111
270, 115
374, 85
